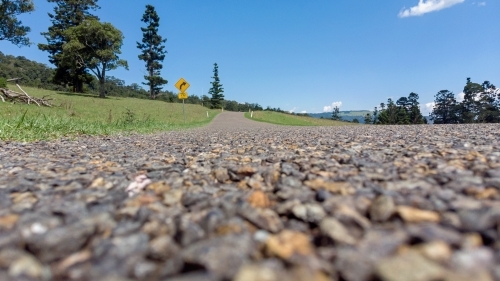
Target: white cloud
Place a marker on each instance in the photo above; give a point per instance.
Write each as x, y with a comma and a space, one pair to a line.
427, 108
481, 4
427, 6
303, 111
329, 108
292, 110
460, 97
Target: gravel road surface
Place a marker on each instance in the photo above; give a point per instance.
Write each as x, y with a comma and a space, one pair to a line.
247, 201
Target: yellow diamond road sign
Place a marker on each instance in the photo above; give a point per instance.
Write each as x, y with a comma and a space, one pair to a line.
182, 96
182, 85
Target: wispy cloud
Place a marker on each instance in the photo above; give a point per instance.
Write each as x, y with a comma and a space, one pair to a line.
292, 110
329, 108
480, 4
303, 111
427, 6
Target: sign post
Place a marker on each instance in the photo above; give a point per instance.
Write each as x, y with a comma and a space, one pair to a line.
182, 85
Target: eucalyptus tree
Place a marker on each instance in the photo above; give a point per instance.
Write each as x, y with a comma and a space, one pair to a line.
94, 46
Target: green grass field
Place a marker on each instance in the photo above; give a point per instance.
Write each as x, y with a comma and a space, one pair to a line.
78, 114
292, 120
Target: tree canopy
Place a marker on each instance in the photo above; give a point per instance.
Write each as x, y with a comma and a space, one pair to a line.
95, 46
12, 29
406, 110
481, 104
67, 14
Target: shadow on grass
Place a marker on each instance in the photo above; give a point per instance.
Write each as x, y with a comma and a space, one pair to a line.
88, 95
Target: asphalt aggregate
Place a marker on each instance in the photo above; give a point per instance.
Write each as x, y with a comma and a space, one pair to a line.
249, 201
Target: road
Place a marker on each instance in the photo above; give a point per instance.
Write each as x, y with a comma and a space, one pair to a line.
242, 200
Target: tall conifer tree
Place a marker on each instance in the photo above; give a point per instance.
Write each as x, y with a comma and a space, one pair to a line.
67, 14
216, 90
153, 51
336, 114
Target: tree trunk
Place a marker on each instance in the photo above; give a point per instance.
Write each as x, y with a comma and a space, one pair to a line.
102, 91
151, 86
79, 85
102, 83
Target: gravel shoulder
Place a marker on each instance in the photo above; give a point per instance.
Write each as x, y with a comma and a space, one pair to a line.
244, 200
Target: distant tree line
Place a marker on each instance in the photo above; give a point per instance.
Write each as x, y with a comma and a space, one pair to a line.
405, 111
32, 73
480, 104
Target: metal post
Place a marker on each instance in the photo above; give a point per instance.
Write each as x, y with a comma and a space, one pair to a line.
183, 111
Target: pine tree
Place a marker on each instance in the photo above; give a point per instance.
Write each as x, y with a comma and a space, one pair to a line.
216, 90
152, 51
402, 117
468, 107
445, 108
375, 115
368, 118
67, 14
403, 105
336, 114
11, 29
488, 104
414, 113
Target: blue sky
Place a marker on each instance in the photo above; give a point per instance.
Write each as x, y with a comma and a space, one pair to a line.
307, 55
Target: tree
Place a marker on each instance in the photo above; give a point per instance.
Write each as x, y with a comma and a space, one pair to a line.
95, 46
336, 114
402, 111
11, 29
375, 115
216, 90
67, 14
488, 104
445, 108
402, 117
205, 101
368, 118
152, 51
355, 120
468, 107
414, 113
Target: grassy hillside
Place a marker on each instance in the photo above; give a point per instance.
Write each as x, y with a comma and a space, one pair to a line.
74, 115
294, 120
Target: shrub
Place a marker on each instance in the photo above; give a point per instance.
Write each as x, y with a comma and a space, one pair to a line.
3, 83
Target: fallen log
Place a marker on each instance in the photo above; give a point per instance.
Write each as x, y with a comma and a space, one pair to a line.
9, 95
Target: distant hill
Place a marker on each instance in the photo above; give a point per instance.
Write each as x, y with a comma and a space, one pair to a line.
347, 115
350, 115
